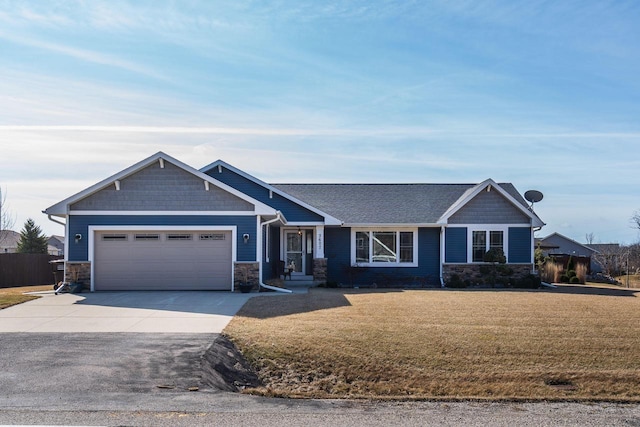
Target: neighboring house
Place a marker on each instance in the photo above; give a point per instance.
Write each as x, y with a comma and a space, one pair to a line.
561, 247
161, 224
9, 241
55, 245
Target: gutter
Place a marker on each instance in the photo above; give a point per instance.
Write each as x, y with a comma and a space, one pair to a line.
54, 220
281, 218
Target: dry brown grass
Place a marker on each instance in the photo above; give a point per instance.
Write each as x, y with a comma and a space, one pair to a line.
13, 296
576, 342
634, 281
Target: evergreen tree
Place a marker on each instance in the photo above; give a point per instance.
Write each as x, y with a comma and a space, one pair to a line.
32, 241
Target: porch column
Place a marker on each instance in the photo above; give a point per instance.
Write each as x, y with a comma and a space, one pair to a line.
319, 246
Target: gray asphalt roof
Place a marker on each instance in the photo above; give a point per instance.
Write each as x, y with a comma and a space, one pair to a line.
384, 203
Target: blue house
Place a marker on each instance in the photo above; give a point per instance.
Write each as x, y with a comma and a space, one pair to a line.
161, 224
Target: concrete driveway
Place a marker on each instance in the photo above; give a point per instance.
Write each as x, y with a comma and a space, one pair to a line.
143, 312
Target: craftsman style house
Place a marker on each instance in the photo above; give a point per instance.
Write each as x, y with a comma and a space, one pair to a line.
161, 224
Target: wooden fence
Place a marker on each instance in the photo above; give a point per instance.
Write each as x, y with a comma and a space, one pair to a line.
27, 269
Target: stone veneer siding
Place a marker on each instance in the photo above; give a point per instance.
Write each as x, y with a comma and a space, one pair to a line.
84, 273
320, 270
472, 272
246, 272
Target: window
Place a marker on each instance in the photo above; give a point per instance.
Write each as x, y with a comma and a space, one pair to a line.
114, 237
483, 240
212, 237
479, 245
496, 240
384, 248
147, 237
178, 236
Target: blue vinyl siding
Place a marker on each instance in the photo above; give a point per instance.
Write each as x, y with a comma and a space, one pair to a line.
270, 269
292, 211
338, 253
80, 225
456, 245
337, 243
519, 245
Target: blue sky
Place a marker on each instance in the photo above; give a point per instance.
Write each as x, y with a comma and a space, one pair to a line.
542, 94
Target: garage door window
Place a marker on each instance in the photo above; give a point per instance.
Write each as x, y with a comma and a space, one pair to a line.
179, 236
147, 237
212, 237
114, 237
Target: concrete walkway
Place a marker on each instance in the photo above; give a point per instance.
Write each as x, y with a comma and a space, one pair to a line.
145, 312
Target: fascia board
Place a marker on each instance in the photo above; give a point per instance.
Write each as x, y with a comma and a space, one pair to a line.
329, 220
62, 208
468, 195
391, 225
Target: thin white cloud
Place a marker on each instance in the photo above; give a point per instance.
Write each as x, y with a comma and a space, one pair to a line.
85, 55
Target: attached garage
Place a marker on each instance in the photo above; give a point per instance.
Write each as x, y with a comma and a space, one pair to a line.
162, 259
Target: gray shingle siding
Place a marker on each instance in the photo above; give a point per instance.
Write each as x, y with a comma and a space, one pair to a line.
489, 207
157, 189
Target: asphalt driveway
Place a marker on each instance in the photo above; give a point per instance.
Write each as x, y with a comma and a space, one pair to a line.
109, 346
142, 312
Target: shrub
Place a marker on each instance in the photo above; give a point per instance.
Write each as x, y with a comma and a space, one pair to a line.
551, 272
528, 282
456, 282
564, 278
571, 273
504, 270
574, 280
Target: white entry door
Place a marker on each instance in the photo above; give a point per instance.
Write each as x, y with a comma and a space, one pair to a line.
295, 251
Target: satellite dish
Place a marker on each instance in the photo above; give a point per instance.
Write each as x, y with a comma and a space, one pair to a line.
533, 196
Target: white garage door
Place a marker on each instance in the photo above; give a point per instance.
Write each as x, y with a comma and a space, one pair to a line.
162, 260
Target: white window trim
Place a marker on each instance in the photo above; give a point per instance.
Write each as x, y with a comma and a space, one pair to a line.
385, 264
487, 228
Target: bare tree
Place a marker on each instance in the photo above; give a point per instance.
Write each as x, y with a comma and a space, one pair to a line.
590, 237
636, 219
610, 258
7, 220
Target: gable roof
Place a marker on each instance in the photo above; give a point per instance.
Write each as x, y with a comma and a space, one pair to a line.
557, 236
62, 208
329, 218
396, 204
507, 190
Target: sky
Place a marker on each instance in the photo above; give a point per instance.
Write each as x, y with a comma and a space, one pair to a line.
541, 94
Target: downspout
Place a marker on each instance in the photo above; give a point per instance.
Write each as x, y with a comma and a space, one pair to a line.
442, 255
281, 218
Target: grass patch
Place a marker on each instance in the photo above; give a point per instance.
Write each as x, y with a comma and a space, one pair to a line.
634, 281
13, 296
572, 343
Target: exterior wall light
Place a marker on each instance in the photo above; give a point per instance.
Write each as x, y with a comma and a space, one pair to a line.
78, 237
245, 238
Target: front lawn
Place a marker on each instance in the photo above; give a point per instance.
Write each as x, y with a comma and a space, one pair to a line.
574, 342
13, 296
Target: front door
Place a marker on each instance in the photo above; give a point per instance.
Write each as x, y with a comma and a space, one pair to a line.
294, 251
